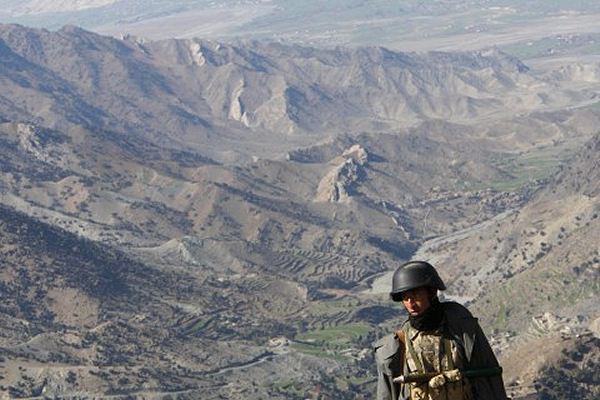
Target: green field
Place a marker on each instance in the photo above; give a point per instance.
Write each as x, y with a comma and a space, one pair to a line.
336, 336
528, 167
330, 342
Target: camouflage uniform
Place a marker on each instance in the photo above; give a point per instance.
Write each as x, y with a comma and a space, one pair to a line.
458, 343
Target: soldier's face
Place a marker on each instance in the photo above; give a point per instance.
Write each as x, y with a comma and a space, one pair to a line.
416, 301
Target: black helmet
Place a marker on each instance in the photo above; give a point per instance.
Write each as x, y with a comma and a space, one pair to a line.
412, 275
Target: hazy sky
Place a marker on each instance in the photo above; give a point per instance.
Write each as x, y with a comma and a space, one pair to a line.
413, 25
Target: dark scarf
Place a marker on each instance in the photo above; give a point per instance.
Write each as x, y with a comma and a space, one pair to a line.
431, 319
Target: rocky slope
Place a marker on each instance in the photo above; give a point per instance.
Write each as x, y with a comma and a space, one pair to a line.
84, 319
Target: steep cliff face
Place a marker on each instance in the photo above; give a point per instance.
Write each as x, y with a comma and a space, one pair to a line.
339, 183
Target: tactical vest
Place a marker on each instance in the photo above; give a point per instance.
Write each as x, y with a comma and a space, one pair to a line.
428, 352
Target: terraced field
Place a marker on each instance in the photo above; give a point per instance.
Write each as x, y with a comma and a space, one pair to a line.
314, 265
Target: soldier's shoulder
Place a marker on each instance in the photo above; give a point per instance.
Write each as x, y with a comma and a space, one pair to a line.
386, 346
455, 310
383, 341
459, 319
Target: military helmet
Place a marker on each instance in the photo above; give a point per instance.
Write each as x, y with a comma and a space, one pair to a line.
412, 275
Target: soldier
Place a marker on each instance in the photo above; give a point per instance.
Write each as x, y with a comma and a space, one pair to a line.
440, 352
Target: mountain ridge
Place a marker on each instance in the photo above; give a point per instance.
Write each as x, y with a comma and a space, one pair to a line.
251, 90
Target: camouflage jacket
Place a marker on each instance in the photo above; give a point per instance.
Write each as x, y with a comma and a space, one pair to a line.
466, 333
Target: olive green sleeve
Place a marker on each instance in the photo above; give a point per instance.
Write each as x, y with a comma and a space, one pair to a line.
386, 354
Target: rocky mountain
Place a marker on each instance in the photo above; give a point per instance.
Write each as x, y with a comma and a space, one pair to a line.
190, 218
201, 94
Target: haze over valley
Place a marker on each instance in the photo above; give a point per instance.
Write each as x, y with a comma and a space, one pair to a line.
205, 199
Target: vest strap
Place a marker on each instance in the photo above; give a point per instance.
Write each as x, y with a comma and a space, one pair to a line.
448, 351
412, 352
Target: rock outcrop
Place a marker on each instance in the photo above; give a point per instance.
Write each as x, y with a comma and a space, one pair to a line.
338, 184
